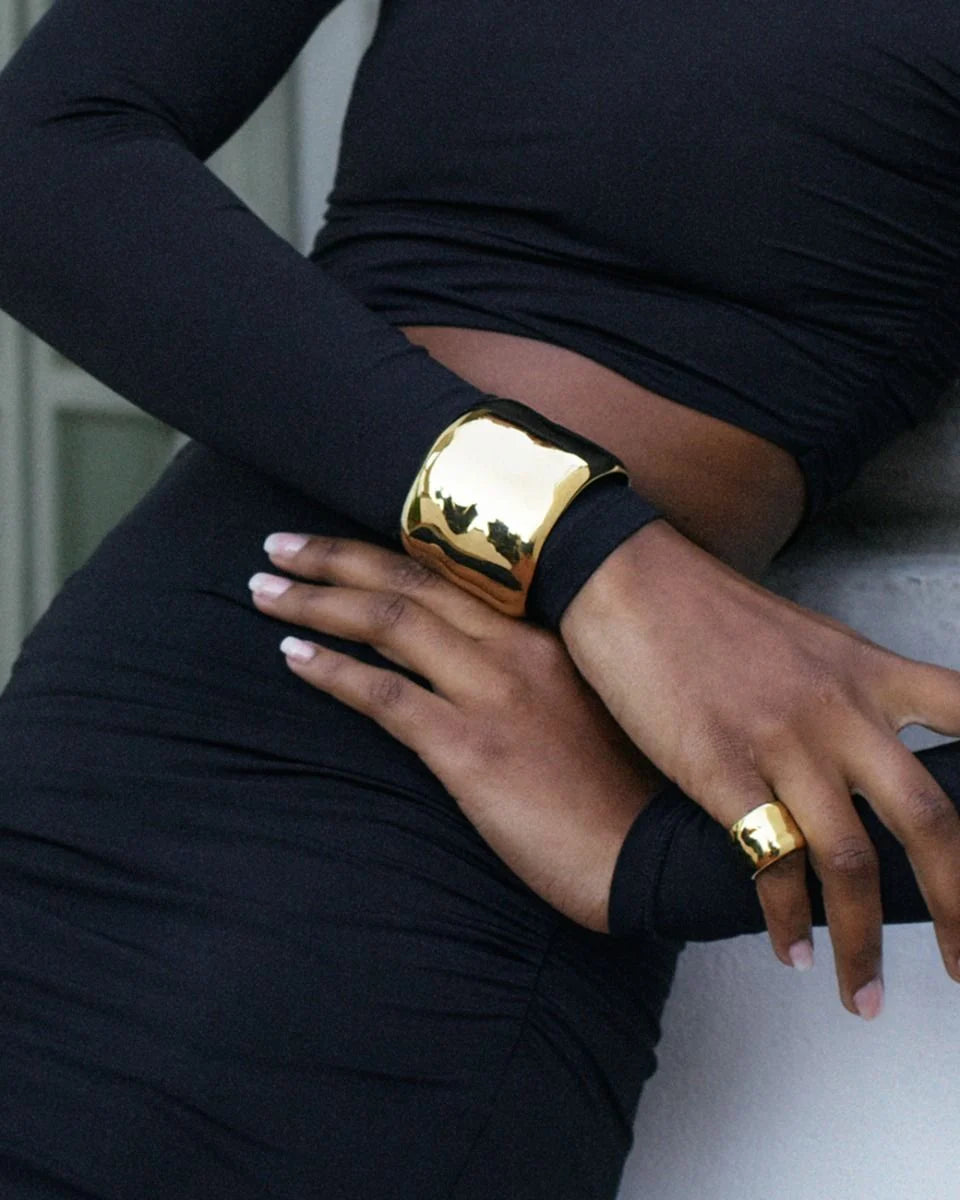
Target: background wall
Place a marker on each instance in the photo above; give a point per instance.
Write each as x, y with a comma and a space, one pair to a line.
767, 1087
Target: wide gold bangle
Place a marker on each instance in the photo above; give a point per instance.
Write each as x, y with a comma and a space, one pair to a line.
493, 485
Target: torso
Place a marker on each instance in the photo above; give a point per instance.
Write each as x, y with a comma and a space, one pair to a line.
738, 496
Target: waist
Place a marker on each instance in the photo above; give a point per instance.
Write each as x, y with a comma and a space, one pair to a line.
830, 393
730, 490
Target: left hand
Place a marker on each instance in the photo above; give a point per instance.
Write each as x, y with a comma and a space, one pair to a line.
510, 728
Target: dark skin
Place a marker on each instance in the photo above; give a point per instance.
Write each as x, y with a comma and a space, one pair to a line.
733, 692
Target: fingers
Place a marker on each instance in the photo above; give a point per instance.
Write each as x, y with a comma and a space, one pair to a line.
924, 694
401, 629
411, 714
921, 816
847, 867
358, 564
845, 861
907, 798
781, 888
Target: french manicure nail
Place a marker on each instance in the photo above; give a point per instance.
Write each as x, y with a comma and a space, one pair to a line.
869, 1000
801, 955
299, 651
284, 545
268, 585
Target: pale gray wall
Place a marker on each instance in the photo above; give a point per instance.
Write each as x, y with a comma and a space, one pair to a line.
767, 1087
329, 63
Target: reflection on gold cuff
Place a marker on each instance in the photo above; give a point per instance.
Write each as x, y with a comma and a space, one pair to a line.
488, 494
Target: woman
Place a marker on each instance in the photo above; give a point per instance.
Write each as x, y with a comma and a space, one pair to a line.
251, 947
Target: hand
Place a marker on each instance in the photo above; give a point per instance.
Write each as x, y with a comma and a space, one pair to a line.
740, 696
531, 755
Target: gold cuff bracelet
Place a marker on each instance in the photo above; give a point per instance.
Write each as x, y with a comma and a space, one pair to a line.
493, 485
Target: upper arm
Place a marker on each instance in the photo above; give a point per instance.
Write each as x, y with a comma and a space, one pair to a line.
192, 69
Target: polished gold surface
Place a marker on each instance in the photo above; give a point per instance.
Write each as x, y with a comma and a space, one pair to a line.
492, 487
766, 834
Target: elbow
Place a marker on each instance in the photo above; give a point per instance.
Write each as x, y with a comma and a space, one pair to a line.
50, 142
17, 208
26, 154
38, 182
47, 155
24, 106
25, 187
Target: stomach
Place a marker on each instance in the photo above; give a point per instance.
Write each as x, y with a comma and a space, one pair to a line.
734, 493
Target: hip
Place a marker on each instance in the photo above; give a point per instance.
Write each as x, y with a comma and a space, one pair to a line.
205, 864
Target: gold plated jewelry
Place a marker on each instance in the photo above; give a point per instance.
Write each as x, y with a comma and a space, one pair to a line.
766, 834
490, 490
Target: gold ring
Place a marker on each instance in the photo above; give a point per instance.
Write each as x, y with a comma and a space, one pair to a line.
766, 834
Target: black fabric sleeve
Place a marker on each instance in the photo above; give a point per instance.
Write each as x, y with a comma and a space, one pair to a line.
598, 520
678, 875
120, 249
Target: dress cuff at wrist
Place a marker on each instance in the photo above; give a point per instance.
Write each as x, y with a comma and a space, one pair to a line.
635, 889
590, 528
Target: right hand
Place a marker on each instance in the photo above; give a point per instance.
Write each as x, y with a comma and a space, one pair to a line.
741, 696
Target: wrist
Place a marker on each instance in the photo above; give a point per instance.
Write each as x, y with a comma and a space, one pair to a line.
593, 527
501, 485
634, 569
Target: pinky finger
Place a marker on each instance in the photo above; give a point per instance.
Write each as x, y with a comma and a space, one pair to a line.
417, 718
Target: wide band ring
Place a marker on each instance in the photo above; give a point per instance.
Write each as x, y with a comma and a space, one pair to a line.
766, 834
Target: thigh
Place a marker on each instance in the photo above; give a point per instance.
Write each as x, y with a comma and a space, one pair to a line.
248, 946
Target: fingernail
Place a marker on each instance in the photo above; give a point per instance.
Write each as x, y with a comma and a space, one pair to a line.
284, 545
801, 955
299, 651
869, 1000
268, 585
